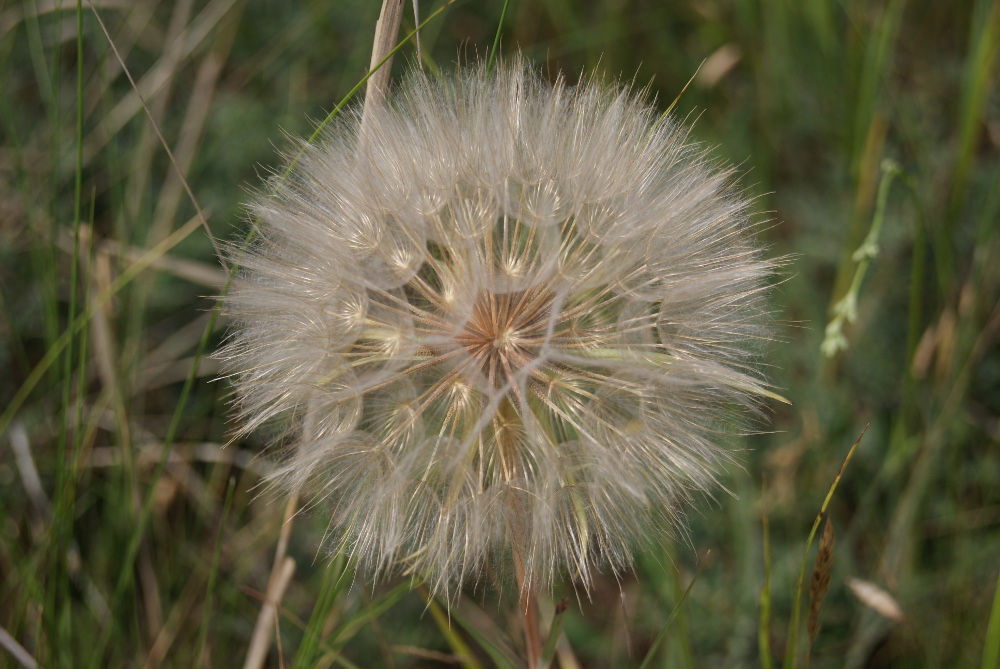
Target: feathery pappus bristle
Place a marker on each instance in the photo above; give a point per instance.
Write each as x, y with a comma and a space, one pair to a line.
504, 320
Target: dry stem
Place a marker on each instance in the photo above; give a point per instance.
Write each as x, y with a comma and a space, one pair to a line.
529, 615
386, 32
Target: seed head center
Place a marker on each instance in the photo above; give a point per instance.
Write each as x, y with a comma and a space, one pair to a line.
505, 331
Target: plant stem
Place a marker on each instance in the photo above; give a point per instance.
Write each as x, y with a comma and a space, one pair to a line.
529, 615
386, 30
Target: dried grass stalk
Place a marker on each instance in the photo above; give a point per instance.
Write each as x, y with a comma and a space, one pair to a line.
820, 582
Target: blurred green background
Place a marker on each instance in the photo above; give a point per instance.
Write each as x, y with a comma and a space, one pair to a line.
116, 551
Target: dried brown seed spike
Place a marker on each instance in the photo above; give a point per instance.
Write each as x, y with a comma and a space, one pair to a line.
820, 578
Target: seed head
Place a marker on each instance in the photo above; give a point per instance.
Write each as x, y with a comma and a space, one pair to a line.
504, 321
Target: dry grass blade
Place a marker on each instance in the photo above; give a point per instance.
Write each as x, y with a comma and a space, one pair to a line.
194, 271
386, 31
30, 479
151, 453
195, 119
281, 574
179, 612
876, 599
56, 349
200, 273
17, 651
424, 654
260, 641
163, 141
158, 76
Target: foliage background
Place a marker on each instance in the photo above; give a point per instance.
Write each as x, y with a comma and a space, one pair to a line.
120, 552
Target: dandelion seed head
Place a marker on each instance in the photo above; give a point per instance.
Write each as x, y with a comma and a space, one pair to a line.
504, 320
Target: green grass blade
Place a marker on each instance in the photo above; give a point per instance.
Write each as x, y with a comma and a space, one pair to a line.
496, 38
53, 353
206, 615
991, 648
333, 583
139, 528
984, 42
457, 644
651, 653
376, 608
555, 631
499, 657
764, 619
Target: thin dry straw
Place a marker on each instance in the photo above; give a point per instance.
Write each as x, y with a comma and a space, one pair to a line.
17, 651
386, 31
260, 640
166, 147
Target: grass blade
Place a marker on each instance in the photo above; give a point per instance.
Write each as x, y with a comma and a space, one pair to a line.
555, 631
333, 581
651, 653
991, 648
501, 659
353, 625
457, 644
496, 39
764, 618
213, 571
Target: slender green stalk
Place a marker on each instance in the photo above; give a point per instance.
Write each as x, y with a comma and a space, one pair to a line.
764, 618
555, 631
330, 588
984, 41
62, 518
991, 647
655, 646
496, 38
206, 610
